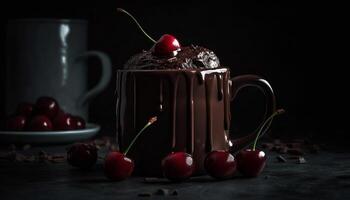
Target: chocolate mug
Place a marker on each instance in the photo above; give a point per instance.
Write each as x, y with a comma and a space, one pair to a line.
47, 57
193, 111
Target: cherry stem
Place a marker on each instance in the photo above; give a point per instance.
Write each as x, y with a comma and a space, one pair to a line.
278, 112
137, 23
150, 121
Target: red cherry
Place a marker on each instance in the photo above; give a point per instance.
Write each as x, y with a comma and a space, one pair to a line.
166, 46
251, 162
40, 123
25, 109
46, 106
117, 166
82, 155
16, 123
63, 122
79, 122
220, 164
178, 166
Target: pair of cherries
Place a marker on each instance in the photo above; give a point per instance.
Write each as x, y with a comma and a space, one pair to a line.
44, 115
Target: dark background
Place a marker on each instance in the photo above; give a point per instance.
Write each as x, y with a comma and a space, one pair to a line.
287, 43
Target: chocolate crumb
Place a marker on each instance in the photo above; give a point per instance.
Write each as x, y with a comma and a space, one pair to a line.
19, 157
145, 194
301, 160
30, 158
42, 156
151, 179
26, 147
174, 193
281, 159
163, 192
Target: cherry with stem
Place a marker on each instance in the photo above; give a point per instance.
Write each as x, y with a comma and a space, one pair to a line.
117, 165
166, 46
251, 162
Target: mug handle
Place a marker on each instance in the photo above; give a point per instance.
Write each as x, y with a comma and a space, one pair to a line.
105, 77
239, 82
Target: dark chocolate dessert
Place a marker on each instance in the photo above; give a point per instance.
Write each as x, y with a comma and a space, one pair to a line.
189, 57
188, 92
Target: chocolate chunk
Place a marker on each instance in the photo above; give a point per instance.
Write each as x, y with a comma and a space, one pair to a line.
30, 158
163, 192
152, 179
42, 156
301, 160
26, 147
281, 159
174, 193
19, 157
144, 194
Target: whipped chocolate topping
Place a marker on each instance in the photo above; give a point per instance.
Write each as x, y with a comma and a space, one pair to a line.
190, 57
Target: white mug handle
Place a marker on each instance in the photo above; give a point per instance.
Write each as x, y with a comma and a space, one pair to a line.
106, 67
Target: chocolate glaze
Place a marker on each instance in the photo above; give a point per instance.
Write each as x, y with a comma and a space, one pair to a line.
192, 107
190, 57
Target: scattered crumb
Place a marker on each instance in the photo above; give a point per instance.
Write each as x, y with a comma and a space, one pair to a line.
144, 194
162, 191
301, 160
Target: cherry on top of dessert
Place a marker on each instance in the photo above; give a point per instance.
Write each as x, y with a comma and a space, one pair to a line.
166, 46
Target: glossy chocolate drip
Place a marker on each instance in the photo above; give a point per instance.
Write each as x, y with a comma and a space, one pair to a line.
208, 91
219, 80
193, 111
190, 99
174, 86
227, 112
161, 97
